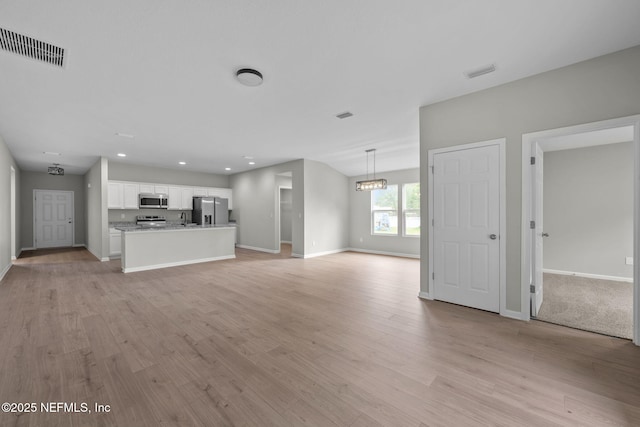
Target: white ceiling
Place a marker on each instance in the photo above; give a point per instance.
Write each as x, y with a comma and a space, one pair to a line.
163, 71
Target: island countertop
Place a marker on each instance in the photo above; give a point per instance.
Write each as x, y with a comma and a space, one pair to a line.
147, 248
171, 227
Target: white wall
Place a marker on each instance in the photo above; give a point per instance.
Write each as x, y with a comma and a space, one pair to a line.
360, 218
326, 209
97, 233
120, 171
588, 210
6, 163
43, 181
599, 89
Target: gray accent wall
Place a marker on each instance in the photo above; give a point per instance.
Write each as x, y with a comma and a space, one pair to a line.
43, 181
6, 163
120, 171
97, 219
588, 210
598, 89
326, 209
360, 235
255, 209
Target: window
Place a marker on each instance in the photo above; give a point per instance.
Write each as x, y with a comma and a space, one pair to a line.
411, 209
384, 211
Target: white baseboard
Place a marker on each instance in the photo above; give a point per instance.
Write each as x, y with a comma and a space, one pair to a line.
176, 264
317, 254
285, 241
512, 314
253, 248
589, 275
398, 254
4, 271
79, 245
27, 249
297, 255
424, 295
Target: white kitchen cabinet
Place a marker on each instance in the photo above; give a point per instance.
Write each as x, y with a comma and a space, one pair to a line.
122, 195
161, 189
147, 188
115, 195
130, 195
175, 198
221, 192
200, 192
187, 198
115, 242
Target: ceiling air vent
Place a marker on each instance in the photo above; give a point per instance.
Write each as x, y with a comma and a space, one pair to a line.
344, 115
31, 48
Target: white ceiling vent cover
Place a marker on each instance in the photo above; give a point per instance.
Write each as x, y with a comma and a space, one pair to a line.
31, 48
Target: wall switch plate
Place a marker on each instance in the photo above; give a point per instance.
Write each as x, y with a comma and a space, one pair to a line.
628, 260
361, 240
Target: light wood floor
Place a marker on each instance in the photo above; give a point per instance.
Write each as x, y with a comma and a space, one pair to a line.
270, 340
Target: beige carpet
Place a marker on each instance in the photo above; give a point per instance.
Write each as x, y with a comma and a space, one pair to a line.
602, 306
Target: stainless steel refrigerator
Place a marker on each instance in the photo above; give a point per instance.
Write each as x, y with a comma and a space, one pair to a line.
210, 210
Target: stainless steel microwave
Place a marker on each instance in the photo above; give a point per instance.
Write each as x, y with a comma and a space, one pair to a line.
153, 201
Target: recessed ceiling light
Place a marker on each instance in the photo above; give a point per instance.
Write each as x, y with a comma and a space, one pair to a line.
122, 155
480, 71
50, 153
249, 77
252, 163
124, 135
227, 169
182, 163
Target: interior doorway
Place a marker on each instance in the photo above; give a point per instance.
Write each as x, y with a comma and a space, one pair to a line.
587, 224
284, 217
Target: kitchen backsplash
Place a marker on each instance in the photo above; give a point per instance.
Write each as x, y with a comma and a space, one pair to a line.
116, 215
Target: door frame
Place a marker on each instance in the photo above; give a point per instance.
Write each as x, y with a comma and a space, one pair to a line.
529, 141
13, 215
501, 143
73, 218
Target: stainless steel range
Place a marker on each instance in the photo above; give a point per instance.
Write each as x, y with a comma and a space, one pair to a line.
151, 221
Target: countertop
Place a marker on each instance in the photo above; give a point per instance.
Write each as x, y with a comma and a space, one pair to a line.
169, 227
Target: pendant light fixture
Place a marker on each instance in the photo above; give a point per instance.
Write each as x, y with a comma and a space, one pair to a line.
371, 184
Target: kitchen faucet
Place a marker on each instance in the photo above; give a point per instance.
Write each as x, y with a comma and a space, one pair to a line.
183, 218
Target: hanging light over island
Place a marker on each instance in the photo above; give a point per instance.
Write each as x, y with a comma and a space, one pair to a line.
371, 184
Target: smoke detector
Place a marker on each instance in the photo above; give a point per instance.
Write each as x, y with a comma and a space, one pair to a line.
249, 77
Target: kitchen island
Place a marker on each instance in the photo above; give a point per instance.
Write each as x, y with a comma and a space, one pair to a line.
170, 246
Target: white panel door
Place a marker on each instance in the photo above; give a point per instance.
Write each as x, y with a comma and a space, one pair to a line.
466, 185
538, 175
53, 219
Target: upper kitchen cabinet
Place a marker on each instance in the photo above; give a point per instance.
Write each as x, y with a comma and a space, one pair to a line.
115, 196
161, 189
147, 188
175, 198
225, 193
122, 195
187, 198
200, 192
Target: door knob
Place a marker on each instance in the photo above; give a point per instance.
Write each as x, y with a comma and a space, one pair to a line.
545, 234
493, 236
